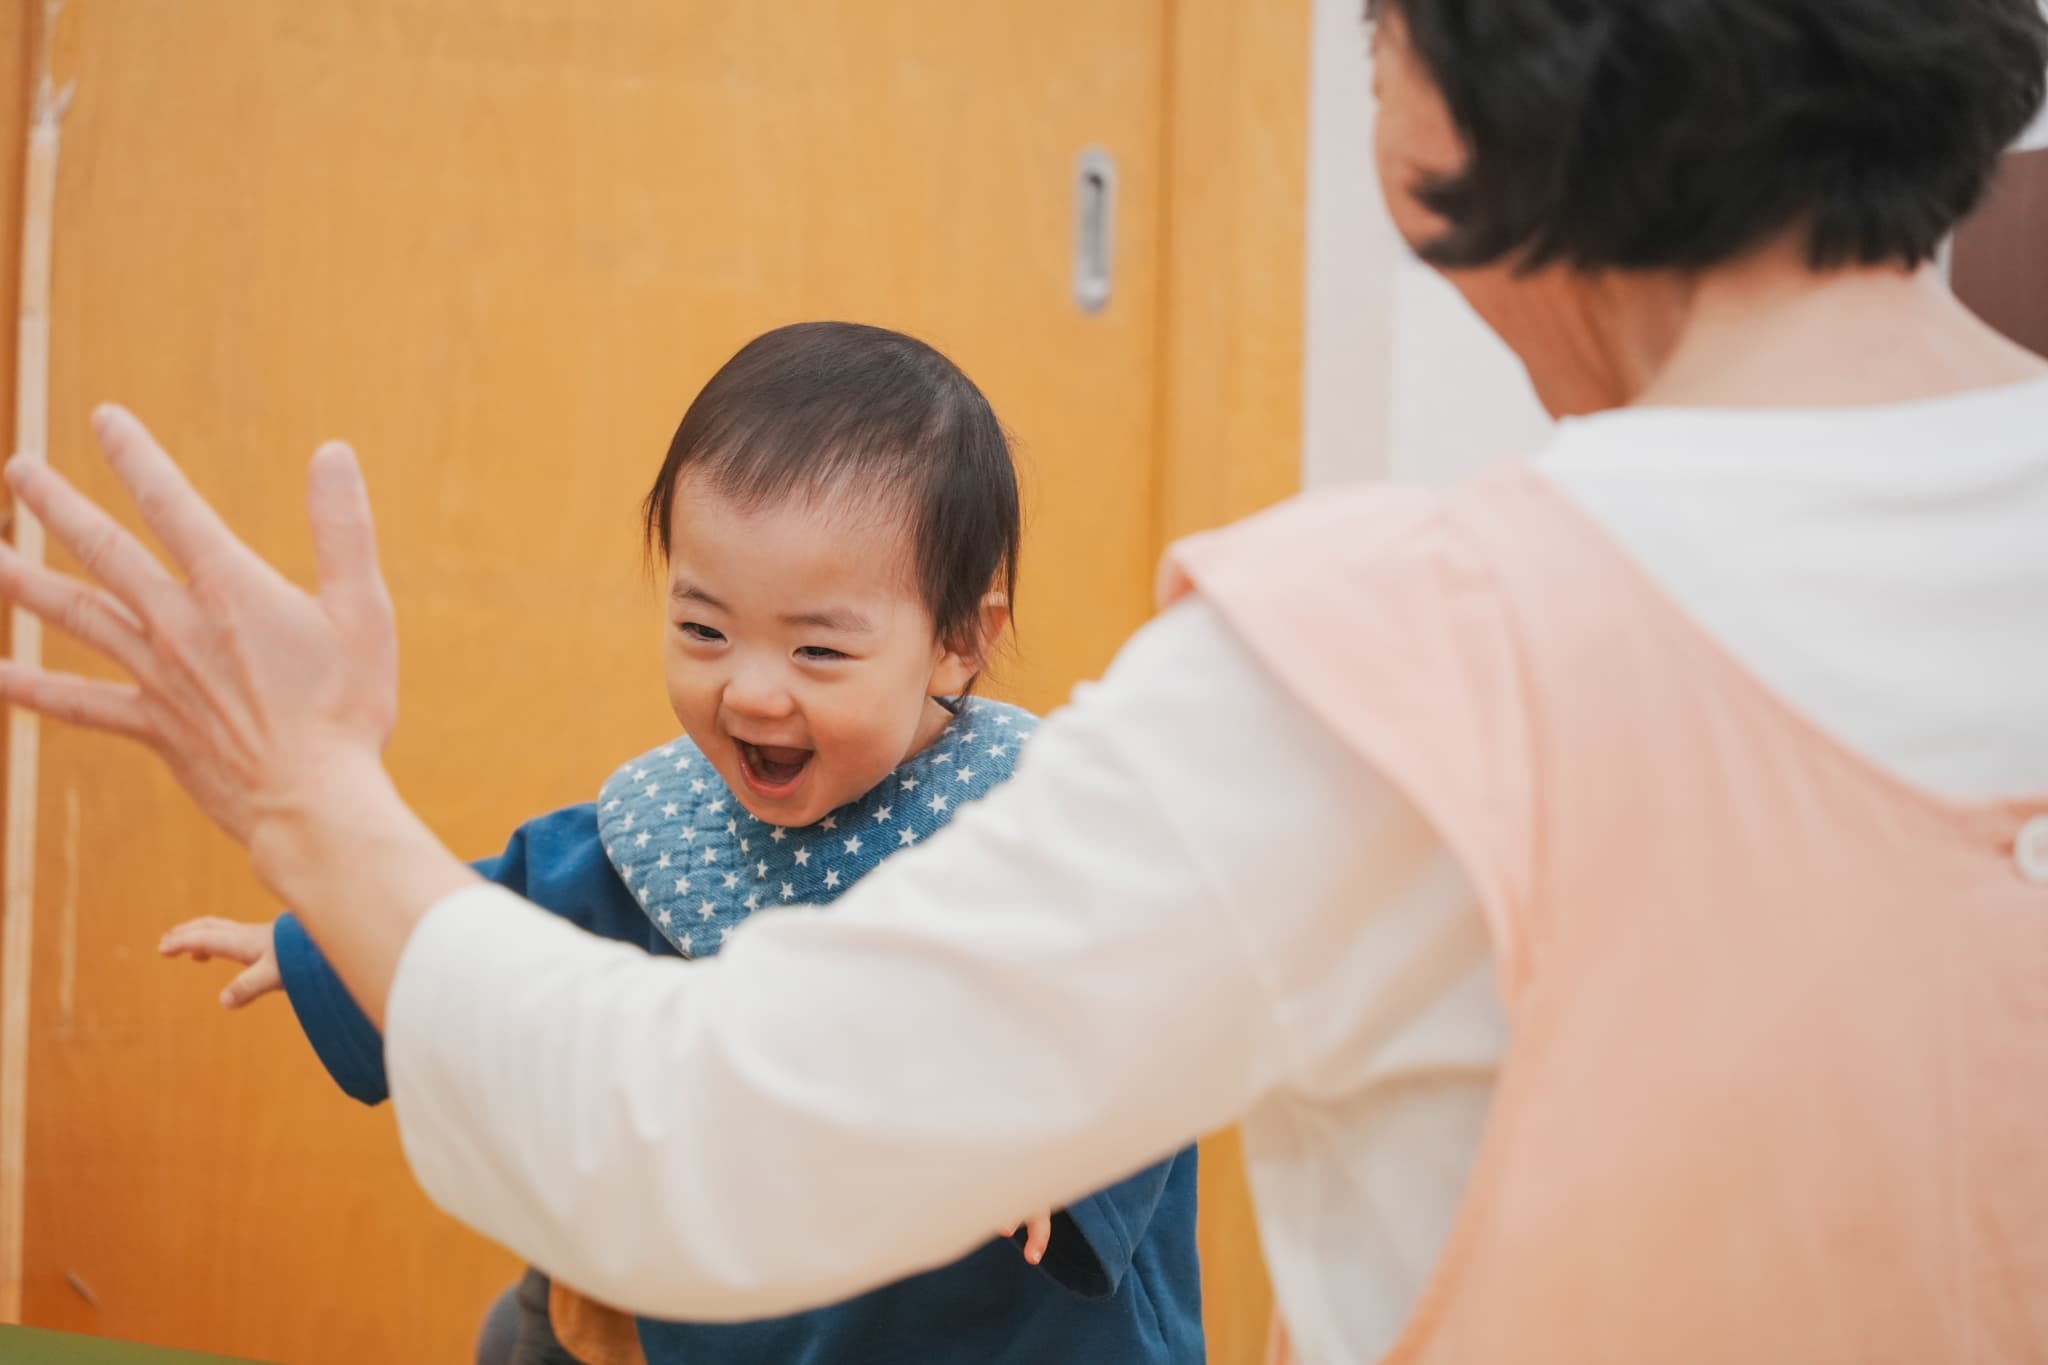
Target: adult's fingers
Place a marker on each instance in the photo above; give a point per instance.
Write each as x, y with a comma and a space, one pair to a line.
185, 523
96, 705
96, 617
76, 522
345, 537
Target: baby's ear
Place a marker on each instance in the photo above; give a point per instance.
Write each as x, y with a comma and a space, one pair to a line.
993, 621
958, 666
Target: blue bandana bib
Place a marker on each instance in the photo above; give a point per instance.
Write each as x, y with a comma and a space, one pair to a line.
699, 863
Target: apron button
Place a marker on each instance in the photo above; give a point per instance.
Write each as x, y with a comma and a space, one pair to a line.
2030, 851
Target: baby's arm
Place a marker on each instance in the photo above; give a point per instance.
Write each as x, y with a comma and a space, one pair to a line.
252, 945
556, 861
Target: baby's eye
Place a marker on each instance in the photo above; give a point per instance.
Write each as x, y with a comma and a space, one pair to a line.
818, 653
701, 633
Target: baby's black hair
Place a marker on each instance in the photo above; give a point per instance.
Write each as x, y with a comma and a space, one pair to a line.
840, 409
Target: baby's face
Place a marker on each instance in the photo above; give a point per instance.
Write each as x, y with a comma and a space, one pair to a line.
800, 657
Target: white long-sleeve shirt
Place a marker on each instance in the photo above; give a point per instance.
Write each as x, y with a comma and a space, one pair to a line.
1191, 906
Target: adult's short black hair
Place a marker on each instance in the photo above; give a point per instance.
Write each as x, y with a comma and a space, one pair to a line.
1678, 134
864, 414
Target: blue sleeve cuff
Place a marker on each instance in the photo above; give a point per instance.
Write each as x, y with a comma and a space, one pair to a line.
1094, 1239
342, 1036
558, 861
1073, 1260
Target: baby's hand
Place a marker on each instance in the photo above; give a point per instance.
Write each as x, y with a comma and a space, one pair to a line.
1037, 1239
248, 944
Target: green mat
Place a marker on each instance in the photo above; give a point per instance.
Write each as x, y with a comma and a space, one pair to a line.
21, 1346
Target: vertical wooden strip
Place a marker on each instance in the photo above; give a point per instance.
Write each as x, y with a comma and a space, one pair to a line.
17, 899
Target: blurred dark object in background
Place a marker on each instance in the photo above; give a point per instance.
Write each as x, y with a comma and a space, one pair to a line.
2000, 265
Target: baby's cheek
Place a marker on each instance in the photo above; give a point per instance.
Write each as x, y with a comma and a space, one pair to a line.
691, 697
864, 756
865, 761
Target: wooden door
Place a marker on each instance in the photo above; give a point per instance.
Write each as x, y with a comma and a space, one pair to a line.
498, 245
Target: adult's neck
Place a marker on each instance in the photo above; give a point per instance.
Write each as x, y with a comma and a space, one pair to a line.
1767, 331
1773, 333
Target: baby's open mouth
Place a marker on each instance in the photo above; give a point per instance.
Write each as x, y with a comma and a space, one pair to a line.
772, 769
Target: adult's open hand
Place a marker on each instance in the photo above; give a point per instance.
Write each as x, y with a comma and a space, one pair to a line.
262, 698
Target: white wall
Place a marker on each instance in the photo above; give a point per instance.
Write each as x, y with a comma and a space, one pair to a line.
1402, 380
1351, 254
1461, 398
2038, 135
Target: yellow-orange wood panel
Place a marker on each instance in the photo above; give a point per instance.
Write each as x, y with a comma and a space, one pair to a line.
498, 245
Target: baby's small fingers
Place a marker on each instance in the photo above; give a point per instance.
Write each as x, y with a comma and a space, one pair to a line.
175, 944
1040, 1239
215, 937
260, 980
